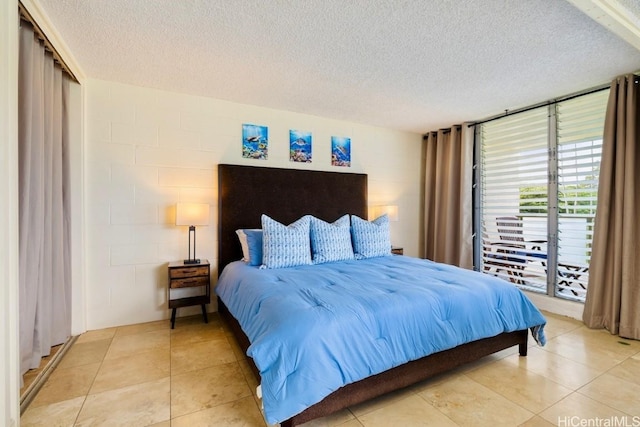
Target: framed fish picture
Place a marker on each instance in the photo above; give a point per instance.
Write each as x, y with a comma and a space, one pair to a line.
300, 146
340, 151
255, 142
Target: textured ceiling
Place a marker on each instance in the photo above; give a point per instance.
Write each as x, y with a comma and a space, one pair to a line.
414, 65
633, 8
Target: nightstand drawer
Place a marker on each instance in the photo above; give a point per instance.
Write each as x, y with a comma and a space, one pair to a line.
189, 282
188, 272
184, 276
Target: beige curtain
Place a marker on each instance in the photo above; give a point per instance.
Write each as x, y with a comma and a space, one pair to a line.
44, 254
613, 295
448, 171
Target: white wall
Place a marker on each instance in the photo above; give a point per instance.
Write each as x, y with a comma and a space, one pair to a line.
9, 356
76, 190
147, 149
555, 305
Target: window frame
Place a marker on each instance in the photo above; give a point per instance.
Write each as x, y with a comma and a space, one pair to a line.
553, 217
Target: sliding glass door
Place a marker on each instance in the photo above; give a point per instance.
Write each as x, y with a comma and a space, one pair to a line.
538, 189
514, 198
579, 148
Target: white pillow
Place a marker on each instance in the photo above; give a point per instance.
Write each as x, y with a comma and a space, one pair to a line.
243, 243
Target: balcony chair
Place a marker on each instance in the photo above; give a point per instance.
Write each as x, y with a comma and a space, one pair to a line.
569, 275
513, 248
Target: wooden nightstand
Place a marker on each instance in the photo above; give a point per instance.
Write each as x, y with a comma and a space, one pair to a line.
397, 250
183, 276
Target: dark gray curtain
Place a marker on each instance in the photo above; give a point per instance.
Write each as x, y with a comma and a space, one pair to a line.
613, 294
448, 169
44, 257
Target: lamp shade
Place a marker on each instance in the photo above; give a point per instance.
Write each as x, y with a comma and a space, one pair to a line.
390, 210
192, 214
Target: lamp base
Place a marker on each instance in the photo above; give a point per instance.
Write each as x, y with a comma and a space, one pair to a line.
191, 261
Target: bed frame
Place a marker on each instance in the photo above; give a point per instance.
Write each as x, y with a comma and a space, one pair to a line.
246, 192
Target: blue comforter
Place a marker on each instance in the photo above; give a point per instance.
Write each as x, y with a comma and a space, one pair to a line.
316, 328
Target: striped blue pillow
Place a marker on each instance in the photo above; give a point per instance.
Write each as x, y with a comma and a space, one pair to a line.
285, 246
370, 239
331, 242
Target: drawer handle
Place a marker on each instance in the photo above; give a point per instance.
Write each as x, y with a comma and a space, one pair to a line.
190, 282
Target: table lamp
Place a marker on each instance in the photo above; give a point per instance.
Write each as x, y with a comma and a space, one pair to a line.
192, 214
390, 210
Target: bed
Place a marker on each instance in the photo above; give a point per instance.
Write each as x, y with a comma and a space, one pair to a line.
245, 193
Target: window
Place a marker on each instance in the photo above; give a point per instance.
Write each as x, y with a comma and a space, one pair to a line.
514, 197
538, 190
579, 148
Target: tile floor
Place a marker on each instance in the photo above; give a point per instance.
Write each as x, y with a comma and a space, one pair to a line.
31, 375
195, 375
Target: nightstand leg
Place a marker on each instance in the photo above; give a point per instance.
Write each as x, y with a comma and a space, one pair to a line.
173, 318
204, 313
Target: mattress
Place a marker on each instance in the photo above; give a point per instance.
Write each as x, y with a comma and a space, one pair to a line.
316, 328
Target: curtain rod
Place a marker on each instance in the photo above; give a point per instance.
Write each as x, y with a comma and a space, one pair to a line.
542, 104
26, 17
443, 130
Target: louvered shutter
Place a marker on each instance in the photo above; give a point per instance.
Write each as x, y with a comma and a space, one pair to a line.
580, 129
514, 155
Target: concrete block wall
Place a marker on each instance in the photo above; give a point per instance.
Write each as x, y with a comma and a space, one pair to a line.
146, 150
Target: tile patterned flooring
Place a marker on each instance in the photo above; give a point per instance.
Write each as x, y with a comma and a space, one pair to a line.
31, 375
195, 375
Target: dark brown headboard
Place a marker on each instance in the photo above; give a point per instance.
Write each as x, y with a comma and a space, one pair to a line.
246, 192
